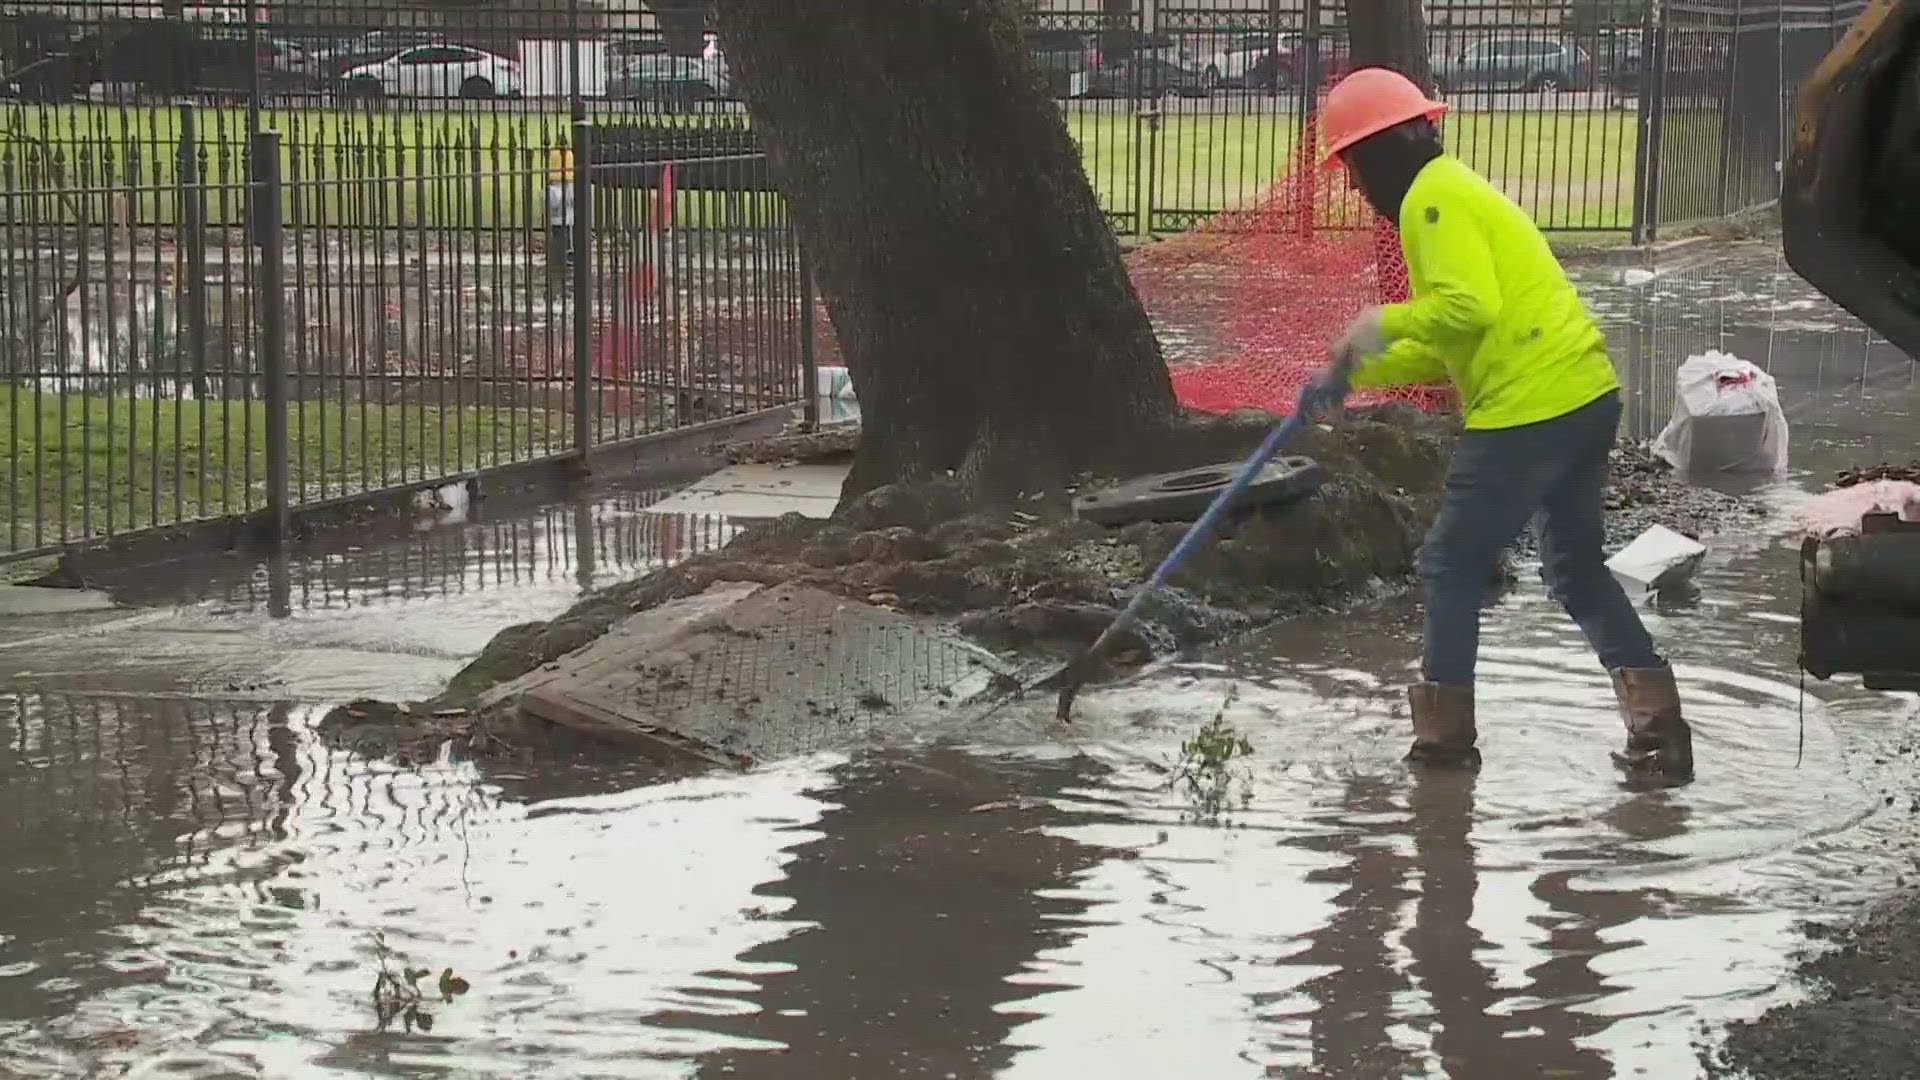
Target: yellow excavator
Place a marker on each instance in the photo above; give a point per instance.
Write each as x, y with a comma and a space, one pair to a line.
1850, 185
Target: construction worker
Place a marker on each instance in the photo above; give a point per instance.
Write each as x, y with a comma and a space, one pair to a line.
1491, 312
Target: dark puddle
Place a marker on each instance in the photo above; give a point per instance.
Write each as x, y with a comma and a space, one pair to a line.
194, 878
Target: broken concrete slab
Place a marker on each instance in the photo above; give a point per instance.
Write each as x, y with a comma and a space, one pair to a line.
740, 673
761, 491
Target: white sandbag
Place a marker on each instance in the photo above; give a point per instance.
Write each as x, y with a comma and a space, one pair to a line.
1726, 418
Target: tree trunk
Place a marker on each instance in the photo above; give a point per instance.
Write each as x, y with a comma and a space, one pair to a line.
976, 288
683, 25
1118, 40
1392, 34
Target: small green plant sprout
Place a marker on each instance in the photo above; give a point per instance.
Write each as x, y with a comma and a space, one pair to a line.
1212, 766
397, 994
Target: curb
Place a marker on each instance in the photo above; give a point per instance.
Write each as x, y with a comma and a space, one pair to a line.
1642, 255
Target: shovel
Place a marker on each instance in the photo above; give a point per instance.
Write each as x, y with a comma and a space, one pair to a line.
1075, 673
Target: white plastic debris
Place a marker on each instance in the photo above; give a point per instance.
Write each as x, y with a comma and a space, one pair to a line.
1657, 560
1726, 418
833, 382
444, 505
1636, 276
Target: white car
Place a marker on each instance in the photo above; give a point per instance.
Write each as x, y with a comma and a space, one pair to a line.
1233, 65
437, 71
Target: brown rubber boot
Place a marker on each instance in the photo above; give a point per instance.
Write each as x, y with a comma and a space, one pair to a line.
1659, 743
1443, 731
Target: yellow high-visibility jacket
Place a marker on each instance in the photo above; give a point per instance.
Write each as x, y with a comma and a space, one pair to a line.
1491, 310
559, 165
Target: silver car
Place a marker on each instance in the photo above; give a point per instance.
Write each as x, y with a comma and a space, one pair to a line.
1529, 65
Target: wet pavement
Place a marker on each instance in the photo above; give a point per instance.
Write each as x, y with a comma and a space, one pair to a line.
193, 879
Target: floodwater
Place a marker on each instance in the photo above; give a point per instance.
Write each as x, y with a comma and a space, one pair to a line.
193, 881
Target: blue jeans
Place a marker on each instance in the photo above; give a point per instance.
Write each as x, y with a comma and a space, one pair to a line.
1553, 473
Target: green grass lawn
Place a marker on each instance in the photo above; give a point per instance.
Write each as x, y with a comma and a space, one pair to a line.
434, 169
1571, 170
341, 167
80, 467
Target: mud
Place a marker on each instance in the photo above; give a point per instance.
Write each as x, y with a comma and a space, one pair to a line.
1858, 1026
1643, 492
1854, 477
832, 443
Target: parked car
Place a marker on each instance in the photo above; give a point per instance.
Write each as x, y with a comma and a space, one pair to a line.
164, 57
673, 81
1146, 76
54, 77
1693, 66
346, 54
1236, 64
1275, 61
1286, 68
1065, 57
437, 71
1533, 65
1619, 61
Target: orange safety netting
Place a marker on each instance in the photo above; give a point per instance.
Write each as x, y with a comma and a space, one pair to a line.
1246, 302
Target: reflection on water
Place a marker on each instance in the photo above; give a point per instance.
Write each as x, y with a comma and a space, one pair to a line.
191, 883
361, 612
582, 544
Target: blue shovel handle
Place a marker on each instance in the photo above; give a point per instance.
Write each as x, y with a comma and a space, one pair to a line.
1198, 532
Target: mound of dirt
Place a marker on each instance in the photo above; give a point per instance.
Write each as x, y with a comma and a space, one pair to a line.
1858, 1026
1909, 471
834, 443
1642, 492
1033, 581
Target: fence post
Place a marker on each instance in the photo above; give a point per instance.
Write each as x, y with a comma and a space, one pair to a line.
1146, 131
583, 416
271, 288
1656, 125
809, 358
1642, 127
1729, 113
193, 238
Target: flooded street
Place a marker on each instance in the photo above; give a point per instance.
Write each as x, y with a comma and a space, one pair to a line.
193, 881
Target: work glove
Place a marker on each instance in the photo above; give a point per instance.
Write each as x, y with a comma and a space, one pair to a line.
1326, 394
1362, 338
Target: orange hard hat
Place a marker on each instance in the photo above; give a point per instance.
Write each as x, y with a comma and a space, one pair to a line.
1368, 102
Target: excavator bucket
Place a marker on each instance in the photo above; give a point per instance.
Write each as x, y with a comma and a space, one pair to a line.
1849, 213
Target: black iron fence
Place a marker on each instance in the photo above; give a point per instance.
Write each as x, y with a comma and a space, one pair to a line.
260, 256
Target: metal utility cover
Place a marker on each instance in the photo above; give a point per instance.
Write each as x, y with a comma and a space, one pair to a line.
1185, 495
742, 673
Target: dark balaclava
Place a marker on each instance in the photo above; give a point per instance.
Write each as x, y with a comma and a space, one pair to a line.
1384, 165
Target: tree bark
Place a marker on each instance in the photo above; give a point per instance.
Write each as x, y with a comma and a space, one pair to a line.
1391, 34
683, 25
974, 284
